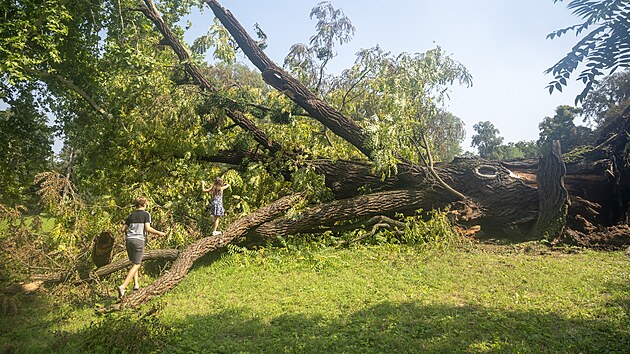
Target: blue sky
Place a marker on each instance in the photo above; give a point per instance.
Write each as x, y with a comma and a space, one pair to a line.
501, 42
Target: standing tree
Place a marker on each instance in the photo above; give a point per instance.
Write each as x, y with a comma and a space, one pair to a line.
561, 127
607, 100
486, 139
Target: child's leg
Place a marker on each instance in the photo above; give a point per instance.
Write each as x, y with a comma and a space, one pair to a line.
136, 284
132, 272
216, 223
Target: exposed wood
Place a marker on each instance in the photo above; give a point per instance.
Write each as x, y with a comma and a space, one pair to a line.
22, 288
102, 249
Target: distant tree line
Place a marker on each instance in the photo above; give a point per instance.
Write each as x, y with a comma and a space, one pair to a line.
605, 101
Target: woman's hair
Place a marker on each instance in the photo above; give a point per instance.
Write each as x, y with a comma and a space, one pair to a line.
216, 187
140, 202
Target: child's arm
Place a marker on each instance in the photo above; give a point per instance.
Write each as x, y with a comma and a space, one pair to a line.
147, 226
203, 187
124, 229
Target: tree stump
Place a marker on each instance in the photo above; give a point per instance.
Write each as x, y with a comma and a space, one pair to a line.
553, 198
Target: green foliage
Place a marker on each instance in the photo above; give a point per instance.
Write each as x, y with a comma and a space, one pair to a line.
433, 230
561, 127
219, 38
124, 332
31, 36
607, 99
313, 185
604, 48
308, 62
398, 101
486, 139
490, 144
26, 150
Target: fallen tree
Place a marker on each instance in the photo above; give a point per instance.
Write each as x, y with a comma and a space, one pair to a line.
504, 195
590, 192
578, 198
190, 254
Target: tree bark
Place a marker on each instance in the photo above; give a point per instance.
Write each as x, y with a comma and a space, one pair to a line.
319, 218
552, 195
161, 254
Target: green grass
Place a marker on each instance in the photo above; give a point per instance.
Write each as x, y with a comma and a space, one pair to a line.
380, 299
47, 223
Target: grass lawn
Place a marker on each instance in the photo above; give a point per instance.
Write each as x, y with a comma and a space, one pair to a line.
47, 223
377, 299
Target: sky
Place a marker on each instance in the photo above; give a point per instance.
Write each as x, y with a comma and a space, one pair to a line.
502, 43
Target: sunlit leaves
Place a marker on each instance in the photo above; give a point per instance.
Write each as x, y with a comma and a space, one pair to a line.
307, 181
308, 62
218, 38
30, 35
398, 99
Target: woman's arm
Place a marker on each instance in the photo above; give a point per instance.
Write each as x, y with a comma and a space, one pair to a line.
203, 187
224, 187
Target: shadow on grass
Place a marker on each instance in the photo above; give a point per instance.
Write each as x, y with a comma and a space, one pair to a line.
382, 328
406, 327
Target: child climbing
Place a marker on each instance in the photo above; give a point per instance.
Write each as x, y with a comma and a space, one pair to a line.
216, 206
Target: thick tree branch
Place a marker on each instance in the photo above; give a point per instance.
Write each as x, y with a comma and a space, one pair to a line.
171, 39
163, 254
315, 219
285, 83
78, 90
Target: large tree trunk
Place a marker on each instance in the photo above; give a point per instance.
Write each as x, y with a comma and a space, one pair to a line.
552, 195
505, 193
